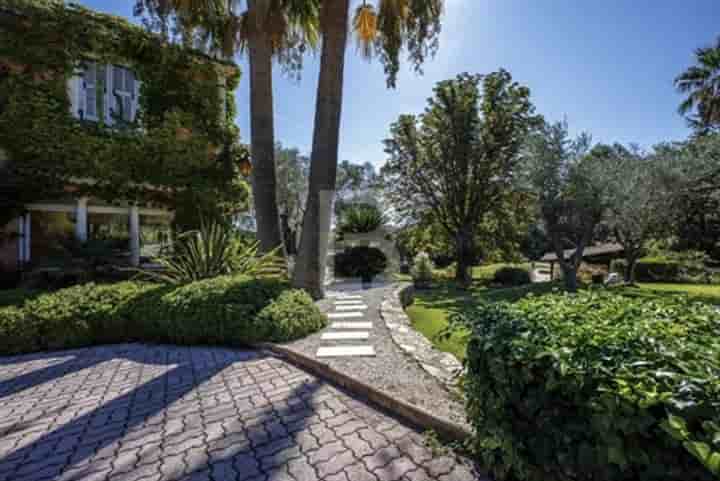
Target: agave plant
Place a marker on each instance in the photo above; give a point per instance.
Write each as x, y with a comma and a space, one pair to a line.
361, 219
212, 251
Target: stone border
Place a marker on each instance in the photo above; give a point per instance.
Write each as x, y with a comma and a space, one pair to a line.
403, 410
441, 365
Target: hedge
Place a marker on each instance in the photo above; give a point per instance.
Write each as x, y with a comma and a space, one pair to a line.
651, 269
512, 276
228, 310
595, 386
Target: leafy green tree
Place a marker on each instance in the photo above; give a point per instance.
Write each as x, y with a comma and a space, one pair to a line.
692, 174
266, 29
459, 160
638, 200
563, 174
292, 172
701, 84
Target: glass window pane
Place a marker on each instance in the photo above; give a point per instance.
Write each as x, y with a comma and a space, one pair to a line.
111, 230
90, 102
117, 78
155, 234
52, 236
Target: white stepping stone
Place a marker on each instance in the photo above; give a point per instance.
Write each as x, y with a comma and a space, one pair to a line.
351, 325
351, 308
345, 351
345, 315
348, 298
345, 335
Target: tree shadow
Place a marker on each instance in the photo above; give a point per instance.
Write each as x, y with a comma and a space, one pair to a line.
269, 434
186, 369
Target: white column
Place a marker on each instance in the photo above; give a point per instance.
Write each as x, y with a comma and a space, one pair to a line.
81, 225
134, 235
27, 229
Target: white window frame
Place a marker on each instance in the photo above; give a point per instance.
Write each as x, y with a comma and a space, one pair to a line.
84, 96
129, 95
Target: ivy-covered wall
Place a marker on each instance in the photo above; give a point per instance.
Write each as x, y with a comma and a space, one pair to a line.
183, 147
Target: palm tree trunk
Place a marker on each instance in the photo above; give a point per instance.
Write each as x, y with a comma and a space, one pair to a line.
310, 264
262, 131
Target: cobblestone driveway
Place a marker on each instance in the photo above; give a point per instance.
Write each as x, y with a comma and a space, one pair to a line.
156, 412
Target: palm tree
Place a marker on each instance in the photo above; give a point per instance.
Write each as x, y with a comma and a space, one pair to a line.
385, 31
266, 28
701, 83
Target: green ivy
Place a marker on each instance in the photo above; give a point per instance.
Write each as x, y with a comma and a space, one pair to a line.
181, 143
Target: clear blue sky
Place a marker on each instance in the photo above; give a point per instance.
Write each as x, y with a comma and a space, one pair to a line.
607, 66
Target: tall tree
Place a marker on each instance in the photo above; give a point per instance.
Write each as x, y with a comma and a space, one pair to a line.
637, 198
292, 170
266, 28
564, 176
701, 83
385, 30
459, 160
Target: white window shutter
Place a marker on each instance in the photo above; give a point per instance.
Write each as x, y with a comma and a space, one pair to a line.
90, 92
136, 99
110, 107
74, 88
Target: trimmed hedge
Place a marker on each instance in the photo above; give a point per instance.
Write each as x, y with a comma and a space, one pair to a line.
512, 276
360, 261
227, 310
651, 269
595, 386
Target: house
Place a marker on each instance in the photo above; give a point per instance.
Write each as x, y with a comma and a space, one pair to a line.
598, 254
105, 132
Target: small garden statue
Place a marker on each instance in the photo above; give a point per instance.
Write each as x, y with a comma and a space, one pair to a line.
422, 271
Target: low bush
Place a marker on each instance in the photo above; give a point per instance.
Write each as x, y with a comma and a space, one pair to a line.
512, 276
595, 386
227, 310
16, 297
651, 269
360, 261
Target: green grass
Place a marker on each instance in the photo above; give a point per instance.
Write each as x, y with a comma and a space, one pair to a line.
431, 309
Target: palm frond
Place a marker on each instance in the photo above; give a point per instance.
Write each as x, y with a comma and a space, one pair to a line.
365, 26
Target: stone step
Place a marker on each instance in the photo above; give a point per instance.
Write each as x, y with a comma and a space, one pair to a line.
347, 297
351, 325
351, 308
346, 351
349, 303
345, 336
345, 315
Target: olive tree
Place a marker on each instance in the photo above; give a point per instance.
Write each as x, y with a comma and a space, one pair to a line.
458, 161
639, 202
564, 175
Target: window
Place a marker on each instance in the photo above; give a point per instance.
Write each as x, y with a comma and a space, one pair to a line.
89, 105
122, 102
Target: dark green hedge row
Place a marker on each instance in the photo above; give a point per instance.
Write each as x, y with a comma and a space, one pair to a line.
595, 386
225, 310
652, 270
512, 276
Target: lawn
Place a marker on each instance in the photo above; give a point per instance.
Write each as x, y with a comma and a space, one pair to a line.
429, 313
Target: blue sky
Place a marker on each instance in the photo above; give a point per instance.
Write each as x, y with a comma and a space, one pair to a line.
606, 66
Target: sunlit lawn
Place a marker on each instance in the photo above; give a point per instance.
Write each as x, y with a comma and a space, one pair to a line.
431, 309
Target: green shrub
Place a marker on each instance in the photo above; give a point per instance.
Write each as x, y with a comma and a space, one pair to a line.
224, 310
422, 269
595, 386
17, 297
361, 219
17, 333
292, 315
512, 276
360, 261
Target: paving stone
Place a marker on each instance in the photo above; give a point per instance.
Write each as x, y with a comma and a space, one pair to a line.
345, 315
345, 351
345, 336
351, 325
177, 413
350, 307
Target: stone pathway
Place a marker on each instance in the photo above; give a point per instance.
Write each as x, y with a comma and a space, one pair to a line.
152, 413
390, 369
346, 339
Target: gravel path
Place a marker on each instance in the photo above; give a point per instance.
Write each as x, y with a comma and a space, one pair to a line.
391, 370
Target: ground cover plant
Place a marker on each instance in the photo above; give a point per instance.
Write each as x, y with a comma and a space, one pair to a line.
595, 385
